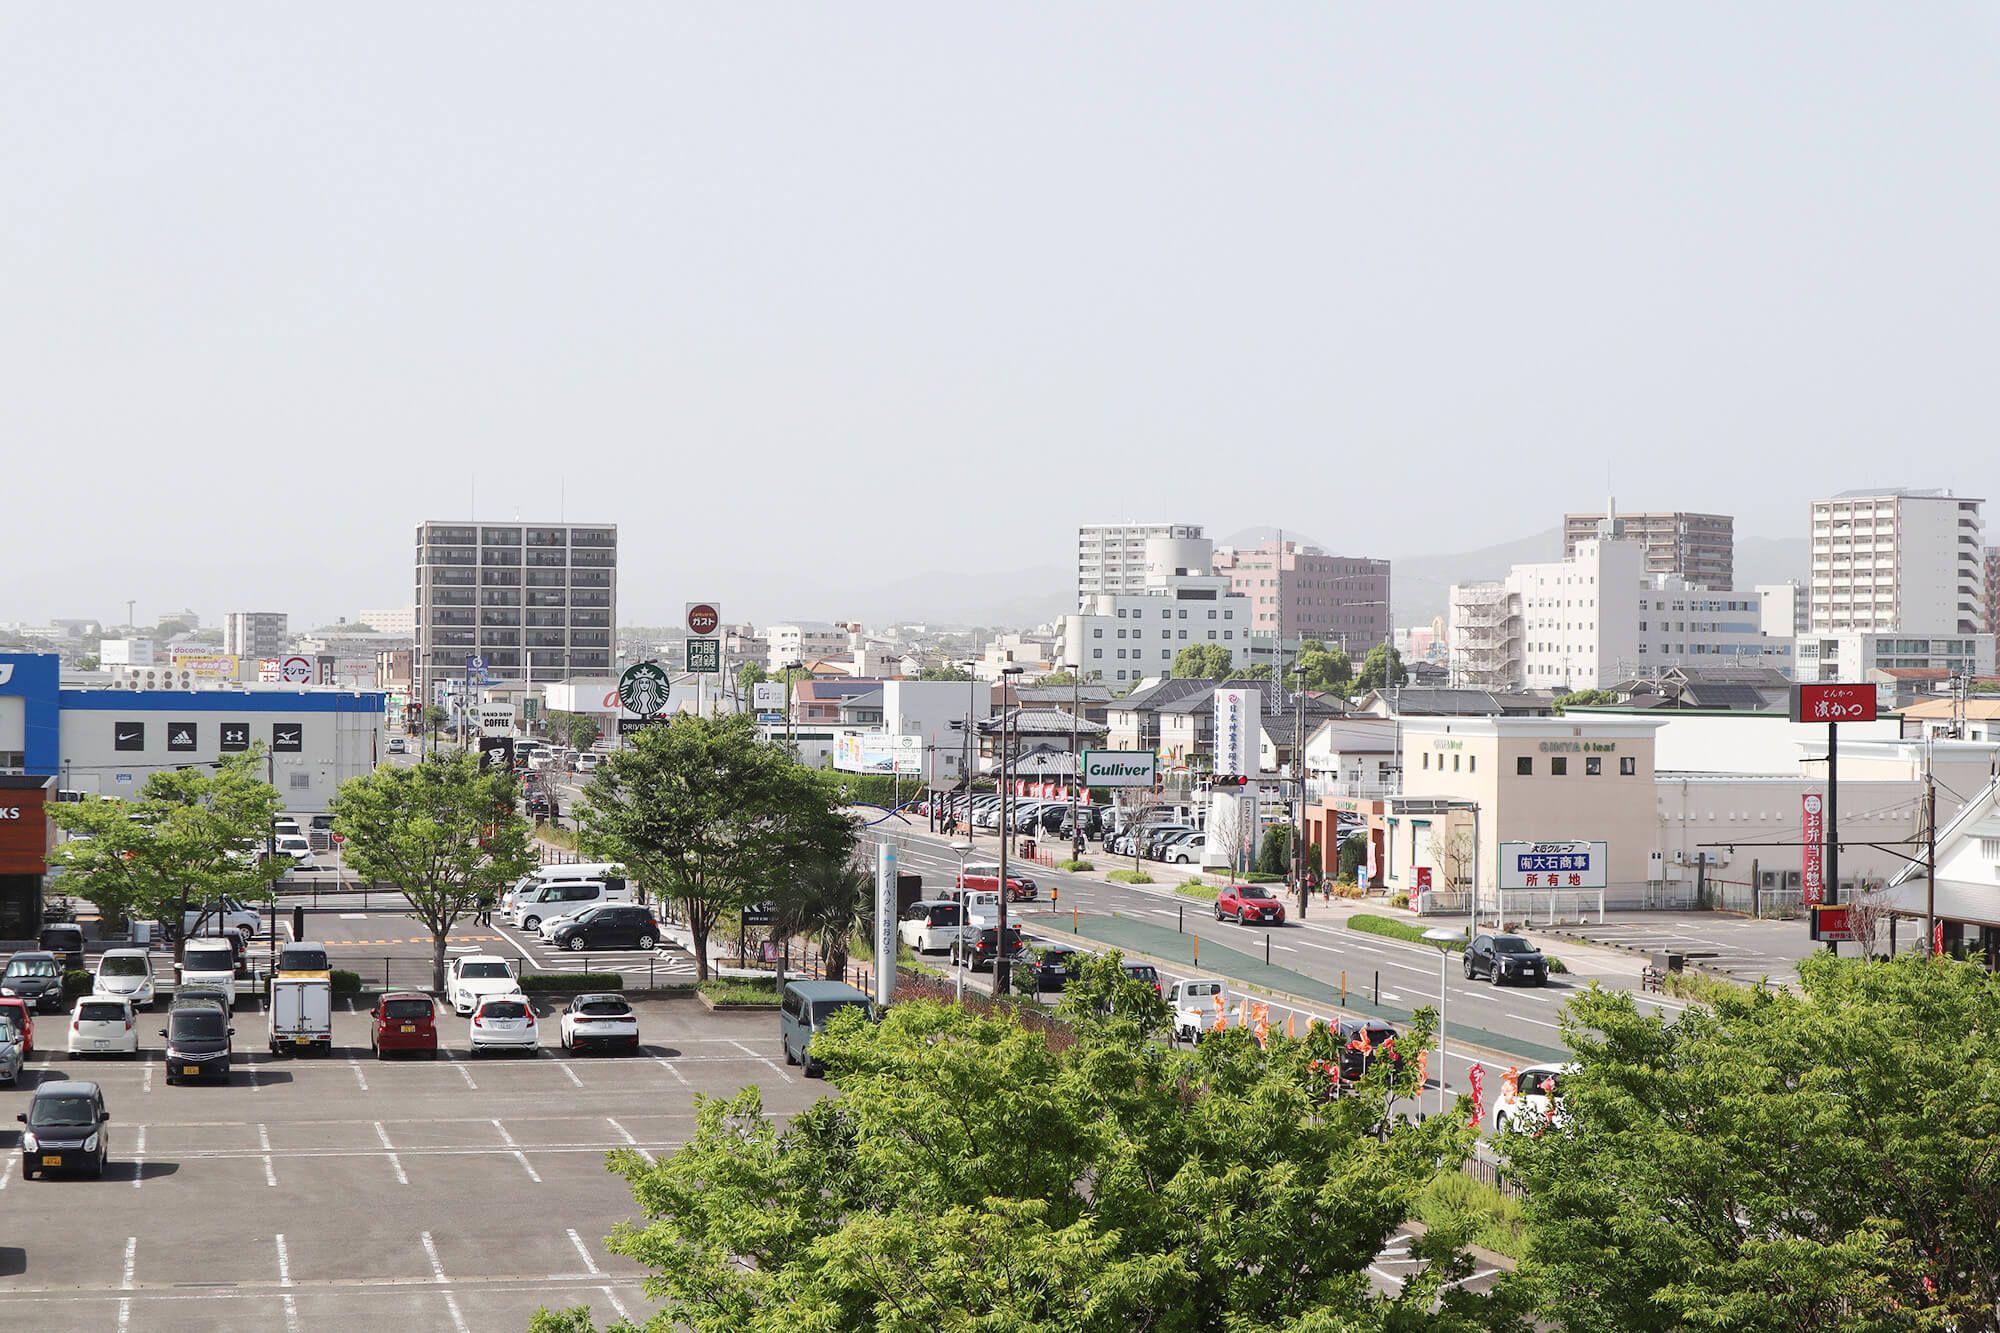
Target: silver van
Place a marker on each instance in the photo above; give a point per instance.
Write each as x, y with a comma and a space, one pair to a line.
806, 1008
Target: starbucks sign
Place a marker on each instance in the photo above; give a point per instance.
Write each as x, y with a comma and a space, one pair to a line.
643, 688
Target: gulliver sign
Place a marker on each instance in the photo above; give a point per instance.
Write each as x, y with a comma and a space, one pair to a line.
1119, 768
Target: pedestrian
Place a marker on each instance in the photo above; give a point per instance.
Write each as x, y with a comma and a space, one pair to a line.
485, 916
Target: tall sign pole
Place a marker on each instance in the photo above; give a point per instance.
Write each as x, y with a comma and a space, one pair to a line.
885, 924
1833, 704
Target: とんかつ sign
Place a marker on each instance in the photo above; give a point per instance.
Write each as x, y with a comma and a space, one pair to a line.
1833, 703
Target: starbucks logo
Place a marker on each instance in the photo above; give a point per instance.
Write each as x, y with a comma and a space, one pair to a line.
643, 688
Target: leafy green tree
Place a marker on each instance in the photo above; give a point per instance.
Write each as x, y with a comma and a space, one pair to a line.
1353, 853
446, 834
579, 731
1202, 661
947, 672
825, 902
1255, 671
1382, 668
1583, 699
1775, 1160
1324, 669
1064, 677
974, 1175
435, 716
710, 817
750, 673
192, 836
1274, 853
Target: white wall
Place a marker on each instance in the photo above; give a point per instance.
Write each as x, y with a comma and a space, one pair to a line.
927, 708
1748, 743
338, 746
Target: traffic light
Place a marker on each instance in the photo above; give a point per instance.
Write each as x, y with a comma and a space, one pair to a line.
1230, 780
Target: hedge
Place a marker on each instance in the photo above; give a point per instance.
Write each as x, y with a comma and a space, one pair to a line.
573, 981
1194, 888
1075, 865
1130, 877
345, 982
1262, 877
76, 984
1397, 930
726, 992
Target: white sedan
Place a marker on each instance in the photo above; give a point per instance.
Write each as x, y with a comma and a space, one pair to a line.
600, 1020
504, 1024
476, 977
103, 1025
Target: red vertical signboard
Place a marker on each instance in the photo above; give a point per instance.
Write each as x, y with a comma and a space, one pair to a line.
1815, 849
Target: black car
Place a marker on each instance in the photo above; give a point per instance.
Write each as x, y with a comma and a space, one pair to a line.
197, 1044
538, 805
200, 997
37, 978
1145, 972
65, 941
1056, 965
1363, 1042
609, 926
981, 953
64, 1129
1506, 958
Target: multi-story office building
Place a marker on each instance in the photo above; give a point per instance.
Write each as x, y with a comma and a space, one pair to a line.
1301, 592
1850, 655
536, 602
803, 641
1111, 557
1898, 561
1782, 608
391, 620
256, 633
1124, 637
1698, 548
1992, 625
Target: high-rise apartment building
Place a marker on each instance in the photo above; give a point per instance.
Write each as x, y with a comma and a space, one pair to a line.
256, 633
1910, 561
1992, 625
1111, 557
1698, 548
1299, 591
1118, 638
536, 602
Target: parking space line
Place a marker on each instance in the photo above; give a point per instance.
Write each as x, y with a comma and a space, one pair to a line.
465, 1074
626, 1135
359, 1077
131, 1262
264, 1144
667, 1065
571, 1072
765, 1060
256, 1085
431, 1251
6, 1170
394, 1160
616, 1304
139, 1157
584, 1250
285, 1280
146, 1083
515, 1148
457, 1319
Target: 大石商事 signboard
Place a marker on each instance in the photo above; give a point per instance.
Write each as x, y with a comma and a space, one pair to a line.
1553, 865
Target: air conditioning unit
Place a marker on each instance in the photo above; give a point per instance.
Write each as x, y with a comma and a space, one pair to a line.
1767, 879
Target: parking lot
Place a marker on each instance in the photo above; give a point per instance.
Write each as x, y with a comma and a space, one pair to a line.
342, 1192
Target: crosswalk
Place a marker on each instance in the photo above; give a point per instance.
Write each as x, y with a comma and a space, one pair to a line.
661, 964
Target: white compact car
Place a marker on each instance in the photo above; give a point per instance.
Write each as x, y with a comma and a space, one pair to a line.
477, 977
1530, 1105
931, 925
125, 974
208, 961
600, 1020
296, 846
506, 1023
103, 1025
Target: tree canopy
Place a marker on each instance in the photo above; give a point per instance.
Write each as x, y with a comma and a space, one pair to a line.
710, 817
947, 672
1382, 667
1324, 668
1584, 699
1202, 661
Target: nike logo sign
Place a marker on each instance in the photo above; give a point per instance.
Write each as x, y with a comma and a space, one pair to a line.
128, 735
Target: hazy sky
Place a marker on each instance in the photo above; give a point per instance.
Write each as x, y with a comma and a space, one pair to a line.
805, 296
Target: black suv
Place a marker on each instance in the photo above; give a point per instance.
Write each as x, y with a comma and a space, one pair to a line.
982, 949
63, 1129
1056, 965
36, 978
610, 926
1363, 1041
1505, 958
66, 943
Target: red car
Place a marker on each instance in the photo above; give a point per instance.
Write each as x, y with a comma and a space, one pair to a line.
1249, 903
403, 1021
987, 876
15, 1010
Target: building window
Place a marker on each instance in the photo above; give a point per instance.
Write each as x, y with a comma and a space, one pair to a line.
1427, 759
1628, 767
1593, 766
1472, 763
1097, 652
1524, 767
1559, 767
1454, 763
1097, 633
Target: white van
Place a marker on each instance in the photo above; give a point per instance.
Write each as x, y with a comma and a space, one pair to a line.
208, 962
537, 903
604, 870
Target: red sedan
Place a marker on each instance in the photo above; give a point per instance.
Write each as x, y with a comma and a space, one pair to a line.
403, 1021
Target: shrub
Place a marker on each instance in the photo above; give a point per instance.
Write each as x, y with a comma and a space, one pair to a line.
1396, 930
1700, 987
1075, 865
1556, 964
573, 981
1262, 877
345, 982
1194, 888
727, 992
1353, 852
1346, 888
1400, 900
1491, 1219
76, 984
1130, 877
1274, 855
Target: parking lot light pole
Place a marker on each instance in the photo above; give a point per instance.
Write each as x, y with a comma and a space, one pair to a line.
1443, 939
1000, 978
962, 850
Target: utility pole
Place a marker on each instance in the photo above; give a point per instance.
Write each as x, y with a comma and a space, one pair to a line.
1930, 853
1832, 893
1075, 759
1299, 788
1000, 960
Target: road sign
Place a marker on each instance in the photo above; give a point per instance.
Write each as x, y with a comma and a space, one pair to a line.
705, 656
1833, 703
771, 719
703, 618
339, 838
1553, 865
643, 689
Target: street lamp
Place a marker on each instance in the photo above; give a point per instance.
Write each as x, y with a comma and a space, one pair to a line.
962, 850
1001, 981
1443, 939
1075, 759
790, 743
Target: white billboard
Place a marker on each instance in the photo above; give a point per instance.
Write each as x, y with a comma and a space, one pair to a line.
1239, 732
1120, 768
767, 694
496, 719
1553, 865
878, 752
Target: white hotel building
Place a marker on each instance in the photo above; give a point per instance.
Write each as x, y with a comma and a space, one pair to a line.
1121, 637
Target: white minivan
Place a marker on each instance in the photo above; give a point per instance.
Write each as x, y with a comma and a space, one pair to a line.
208, 961
537, 903
604, 870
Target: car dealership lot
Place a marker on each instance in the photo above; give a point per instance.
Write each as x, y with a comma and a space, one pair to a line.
328, 1192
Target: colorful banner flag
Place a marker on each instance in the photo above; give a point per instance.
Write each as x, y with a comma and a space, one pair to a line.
1478, 1076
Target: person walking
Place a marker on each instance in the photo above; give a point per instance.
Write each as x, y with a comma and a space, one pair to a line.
485, 915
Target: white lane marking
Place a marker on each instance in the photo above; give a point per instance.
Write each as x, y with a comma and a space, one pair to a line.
1284, 948
626, 1134
139, 1157
131, 1262
465, 1074
359, 1077
765, 1060
584, 1250
124, 1313
354, 916
1391, 995
146, 1084
256, 1085
617, 1304
572, 1074
284, 1262
264, 1145
431, 1250
394, 1160
515, 1148
667, 1065
6, 1170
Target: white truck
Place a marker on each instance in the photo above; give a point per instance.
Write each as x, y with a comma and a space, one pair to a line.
1194, 1004
301, 1014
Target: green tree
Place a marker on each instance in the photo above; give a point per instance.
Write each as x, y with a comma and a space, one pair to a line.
947, 672
435, 716
1353, 854
973, 1176
1202, 661
446, 834
710, 817
1324, 669
750, 673
1274, 853
1818, 1158
1583, 699
193, 835
1382, 668
825, 902
579, 731
1064, 677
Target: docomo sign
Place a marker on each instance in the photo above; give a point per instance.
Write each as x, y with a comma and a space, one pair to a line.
1813, 881
1833, 703
1120, 768
703, 618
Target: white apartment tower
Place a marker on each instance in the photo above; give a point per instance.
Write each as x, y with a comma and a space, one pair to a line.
1120, 638
536, 602
256, 633
1897, 560
1111, 557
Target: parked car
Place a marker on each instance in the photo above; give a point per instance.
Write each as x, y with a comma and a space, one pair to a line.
1504, 959
11, 1054
537, 902
127, 973
16, 1015
1056, 965
198, 1045
1145, 972
477, 977
588, 761
1533, 1103
284, 826
103, 1025
505, 1023
986, 875
805, 1010
208, 961
979, 952
1195, 1003
1187, 851
1249, 903
37, 978
303, 958
930, 925
65, 941
216, 916
1363, 1041
600, 1020
403, 1020
299, 849
200, 997
64, 1129
1159, 836
608, 926
301, 1013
